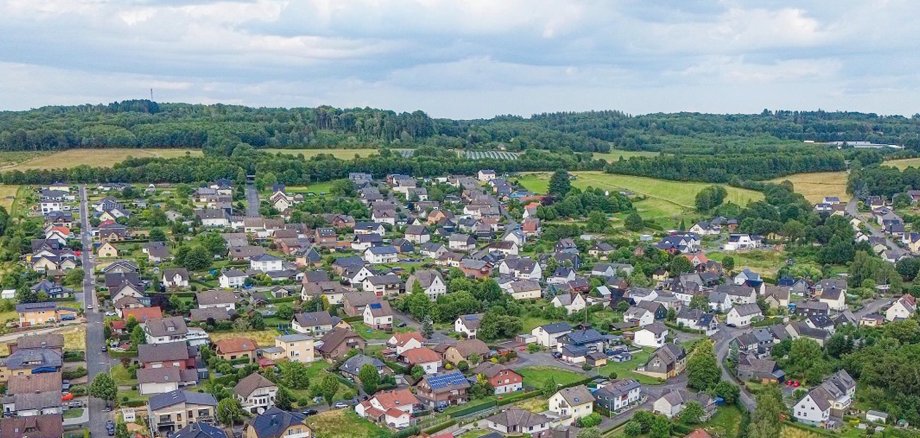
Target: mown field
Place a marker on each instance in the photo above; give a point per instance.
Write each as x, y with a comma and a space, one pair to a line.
666, 201
765, 261
342, 154
90, 157
7, 196
815, 186
903, 163
343, 423
616, 154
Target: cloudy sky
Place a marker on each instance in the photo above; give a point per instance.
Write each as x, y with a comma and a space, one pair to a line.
466, 58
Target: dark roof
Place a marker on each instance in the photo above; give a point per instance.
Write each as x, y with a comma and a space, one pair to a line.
37, 426
557, 327
172, 398
250, 383
170, 351
313, 319
446, 381
274, 422
514, 418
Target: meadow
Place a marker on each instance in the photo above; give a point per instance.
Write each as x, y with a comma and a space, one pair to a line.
342, 154
815, 186
616, 154
7, 196
90, 157
903, 163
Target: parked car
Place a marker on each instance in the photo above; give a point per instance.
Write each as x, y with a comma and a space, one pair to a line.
309, 412
340, 405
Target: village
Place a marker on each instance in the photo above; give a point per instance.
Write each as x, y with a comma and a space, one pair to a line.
438, 307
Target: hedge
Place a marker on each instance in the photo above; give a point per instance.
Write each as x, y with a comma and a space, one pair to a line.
439, 427
407, 432
472, 409
357, 318
518, 397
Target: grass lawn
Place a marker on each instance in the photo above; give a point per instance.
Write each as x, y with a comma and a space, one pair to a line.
626, 370
535, 404
342, 154
344, 423
474, 433
7, 196
903, 163
315, 188
368, 333
616, 154
264, 338
725, 422
532, 322
815, 186
536, 377
766, 262
95, 157
73, 413
75, 338
121, 376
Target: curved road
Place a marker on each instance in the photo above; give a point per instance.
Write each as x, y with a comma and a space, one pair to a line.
723, 338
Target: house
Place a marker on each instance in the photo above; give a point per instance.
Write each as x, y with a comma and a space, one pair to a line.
639, 315
572, 403
443, 389
175, 278
652, 335
216, 299
743, 315
312, 323
381, 254
696, 319
171, 411
750, 367
903, 308
232, 349
255, 393
876, 417
473, 268
833, 292
809, 308
354, 302
468, 325
738, 242
777, 297
406, 341
232, 278
431, 282
36, 426
666, 362
515, 421
338, 342
618, 395
107, 250
463, 349
548, 335
166, 355
523, 268
486, 175
378, 315
156, 252
417, 234
32, 314
245, 252
164, 379
352, 366
266, 263
524, 289
383, 285
572, 302
392, 408
461, 242
503, 380
673, 402
824, 405
738, 294
277, 423
296, 347
424, 357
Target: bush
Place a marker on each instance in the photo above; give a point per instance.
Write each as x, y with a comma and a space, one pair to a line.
590, 421
586, 367
633, 428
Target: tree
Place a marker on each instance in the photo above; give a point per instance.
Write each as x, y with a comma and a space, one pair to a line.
680, 265
195, 258
284, 400
597, 222
559, 184
702, 368
549, 387
633, 428
294, 375
103, 387
766, 419
121, 430
229, 411
710, 197
137, 336
427, 327
634, 222
659, 427
157, 235
805, 360
692, 414
329, 386
727, 391
590, 420
591, 432
728, 263
369, 377
699, 302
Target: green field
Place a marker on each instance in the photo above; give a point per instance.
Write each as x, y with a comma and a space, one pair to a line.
626, 370
343, 423
91, 157
315, 188
616, 154
903, 163
666, 200
536, 377
342, 154
766, 262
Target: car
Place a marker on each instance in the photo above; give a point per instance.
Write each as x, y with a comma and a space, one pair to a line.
309, 412
66, 396
110, 313
731, 325
104, 348
89, 307
340, 405
402, 324
76, 404
109, 423
557, 354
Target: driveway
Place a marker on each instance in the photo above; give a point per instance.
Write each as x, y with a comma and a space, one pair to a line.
252, 201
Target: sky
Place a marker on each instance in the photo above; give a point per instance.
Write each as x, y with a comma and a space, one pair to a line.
469, 58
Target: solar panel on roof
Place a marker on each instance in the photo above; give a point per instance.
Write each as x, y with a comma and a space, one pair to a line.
375, 305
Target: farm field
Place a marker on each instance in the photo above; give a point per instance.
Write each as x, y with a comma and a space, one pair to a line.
815, 186
342, 154
903, 163
616, 154
93, 157
666, 200
7, 196
10, 158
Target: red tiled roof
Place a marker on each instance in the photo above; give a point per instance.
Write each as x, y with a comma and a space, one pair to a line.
142, 314
235, 345
421, 355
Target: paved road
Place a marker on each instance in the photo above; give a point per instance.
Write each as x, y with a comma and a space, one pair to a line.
873, 227
872, 307
252, 200
96, 361
722, 340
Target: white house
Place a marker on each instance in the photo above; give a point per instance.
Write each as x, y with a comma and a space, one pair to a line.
424, 357
175, 278
378, 315
548, 335
673, 402
266, 263
813, 409
430, 281
521, 267
402, 342
618, 394
830, 399
468, 325
381, 254
572, 403
743, 315
395, 407
524, 289
486, 175
653, 335
642, 316
232, 278
573, 302
48, 206
903, 308
255, 393
741, 241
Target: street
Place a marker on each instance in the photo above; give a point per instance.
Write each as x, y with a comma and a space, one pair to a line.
252, 200
96, 361
722, 340
873, 228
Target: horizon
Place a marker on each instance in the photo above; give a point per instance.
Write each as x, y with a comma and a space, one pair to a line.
466, 60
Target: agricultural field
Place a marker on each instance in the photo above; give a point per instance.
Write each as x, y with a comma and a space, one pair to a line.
11, 158
494, 155
7, 196
342, 154
815, 186
616, 154
903, 163
93, 157
315, 188
330, 424
666, 201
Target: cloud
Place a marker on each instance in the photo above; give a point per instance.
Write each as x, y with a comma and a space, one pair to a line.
473, 58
